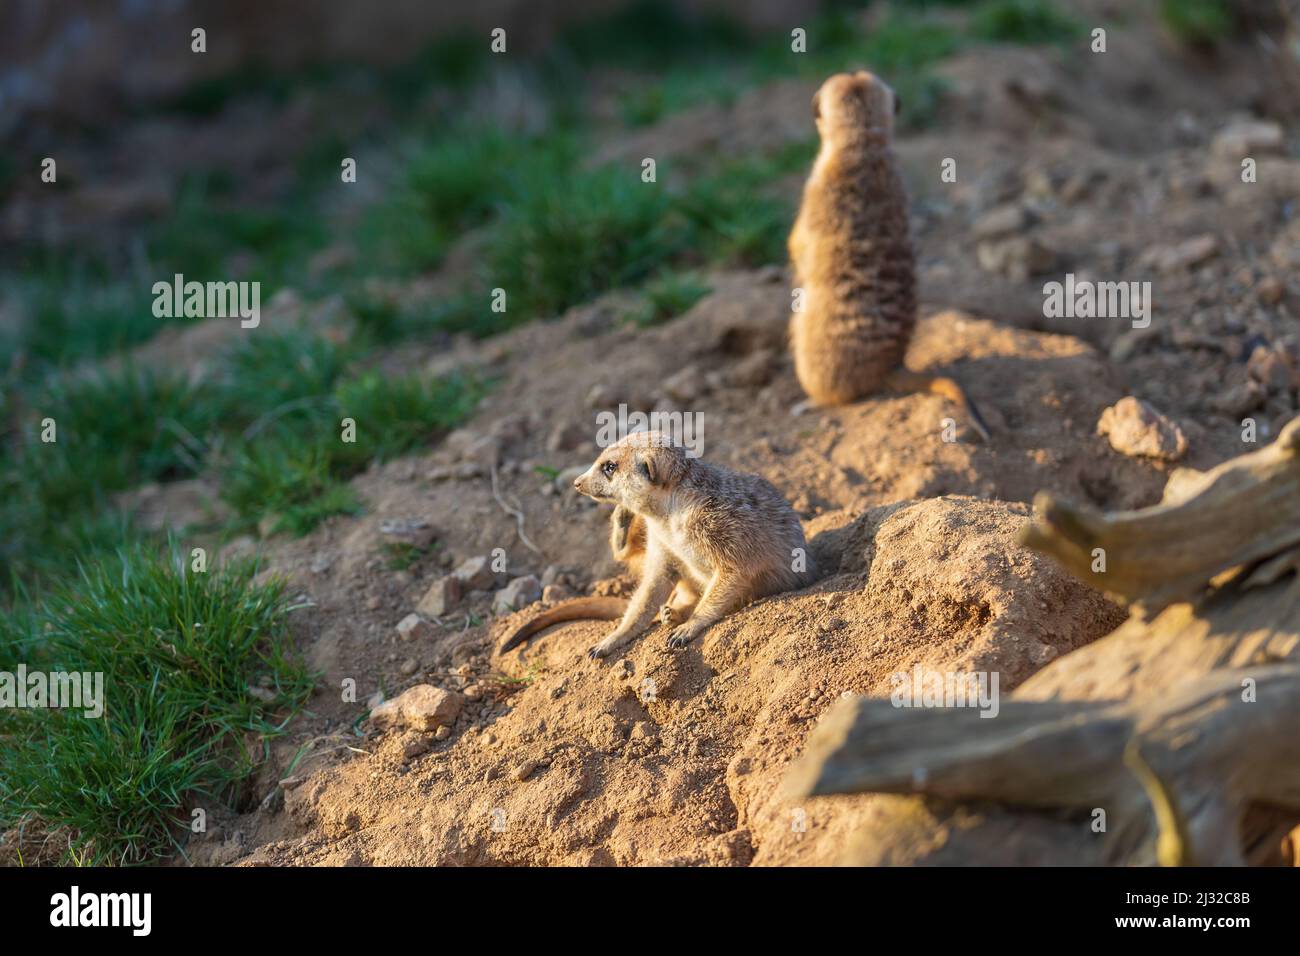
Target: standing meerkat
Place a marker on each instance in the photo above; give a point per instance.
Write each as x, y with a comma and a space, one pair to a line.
725, 537
852, 256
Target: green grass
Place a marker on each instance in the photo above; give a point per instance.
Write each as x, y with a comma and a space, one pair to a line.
666, 296
179, 652
209, 236
291, 475
1197, 23
115, 430
650, 35
69, 315
564, 239
267, 422
1023, 21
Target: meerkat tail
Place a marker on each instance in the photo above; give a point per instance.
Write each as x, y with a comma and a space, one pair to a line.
579, 609
905, 380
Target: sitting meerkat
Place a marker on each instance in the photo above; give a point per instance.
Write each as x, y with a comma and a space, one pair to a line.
726, 537
852, 256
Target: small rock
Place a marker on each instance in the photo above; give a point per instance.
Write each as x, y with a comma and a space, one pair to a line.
520, 592
1002, 221
473, 692
1249, 137
413, 745
1273, 368
1018, 258
1183, 255
414, 628
555, 593
422, 707
442, 733
1135, 428
414, 531
476, 574
458, 472
442, 596
409, 666
1285, 251
1270, 290
1239, 400
523, 771
511, 428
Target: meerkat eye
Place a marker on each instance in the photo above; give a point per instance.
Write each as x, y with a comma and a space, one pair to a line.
609, 468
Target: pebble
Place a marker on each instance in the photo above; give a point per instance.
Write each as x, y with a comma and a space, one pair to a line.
1135, 428
414, 628
443, 595
422, 707
519, 593
476, 573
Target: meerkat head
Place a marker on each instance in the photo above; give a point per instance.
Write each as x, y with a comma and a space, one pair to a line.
849, 102
638, 472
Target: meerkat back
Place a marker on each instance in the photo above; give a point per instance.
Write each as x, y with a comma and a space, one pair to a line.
850, 248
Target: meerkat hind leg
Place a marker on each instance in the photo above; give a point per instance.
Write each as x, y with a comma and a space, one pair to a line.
680, 603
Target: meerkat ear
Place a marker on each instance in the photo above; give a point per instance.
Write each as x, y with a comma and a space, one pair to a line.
817, 105
645, 464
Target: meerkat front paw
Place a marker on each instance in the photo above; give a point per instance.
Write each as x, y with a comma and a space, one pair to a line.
681, 636
602, 649
668, 615
622, 523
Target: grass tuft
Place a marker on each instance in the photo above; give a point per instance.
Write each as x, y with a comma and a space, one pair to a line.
193, 664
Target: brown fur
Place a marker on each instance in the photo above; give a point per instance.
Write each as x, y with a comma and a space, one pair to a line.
727, 538
852, 255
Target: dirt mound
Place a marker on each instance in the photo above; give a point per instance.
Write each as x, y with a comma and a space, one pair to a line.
677, 757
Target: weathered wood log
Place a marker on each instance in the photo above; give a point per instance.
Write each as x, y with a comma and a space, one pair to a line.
1085, 756
1244, 510
1148, 723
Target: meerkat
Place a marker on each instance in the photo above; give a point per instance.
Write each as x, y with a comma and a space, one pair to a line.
852, 256
727, 538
